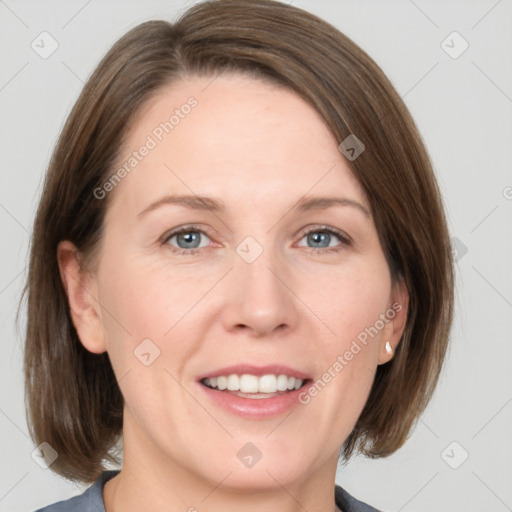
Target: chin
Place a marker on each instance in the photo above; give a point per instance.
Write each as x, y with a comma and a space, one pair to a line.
262, 478
258, 465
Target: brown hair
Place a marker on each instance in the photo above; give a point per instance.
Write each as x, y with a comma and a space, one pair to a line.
73, 400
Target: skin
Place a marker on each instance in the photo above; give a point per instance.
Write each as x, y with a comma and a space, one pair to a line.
260, 149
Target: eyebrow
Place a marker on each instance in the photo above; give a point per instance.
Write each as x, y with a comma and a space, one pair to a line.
218, 206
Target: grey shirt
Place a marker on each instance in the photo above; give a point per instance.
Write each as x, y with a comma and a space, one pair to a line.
91, 500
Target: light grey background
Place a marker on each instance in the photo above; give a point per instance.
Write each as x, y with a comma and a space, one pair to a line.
463, 107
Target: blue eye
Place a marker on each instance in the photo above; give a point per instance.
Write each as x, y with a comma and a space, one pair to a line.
188, 240
323, 236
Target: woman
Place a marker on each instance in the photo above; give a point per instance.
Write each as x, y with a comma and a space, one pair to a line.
240, 269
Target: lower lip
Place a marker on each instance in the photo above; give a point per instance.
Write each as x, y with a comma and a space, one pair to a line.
255, 408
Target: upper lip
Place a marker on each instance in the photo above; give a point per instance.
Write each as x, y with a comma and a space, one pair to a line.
240, 369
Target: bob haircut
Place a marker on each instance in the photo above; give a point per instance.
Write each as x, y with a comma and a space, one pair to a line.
73, 401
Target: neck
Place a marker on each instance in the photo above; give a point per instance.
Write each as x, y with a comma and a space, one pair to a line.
150, 481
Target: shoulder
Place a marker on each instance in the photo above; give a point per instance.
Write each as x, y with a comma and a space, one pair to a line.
348, 503
91, 500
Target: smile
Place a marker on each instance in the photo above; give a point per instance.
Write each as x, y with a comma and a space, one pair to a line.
254, 392
252, 386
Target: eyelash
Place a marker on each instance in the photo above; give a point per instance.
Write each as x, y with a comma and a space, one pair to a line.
344, 239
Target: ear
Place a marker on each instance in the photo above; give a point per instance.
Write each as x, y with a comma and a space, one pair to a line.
81, 291
397, 318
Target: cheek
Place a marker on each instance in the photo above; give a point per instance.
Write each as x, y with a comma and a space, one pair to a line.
147, 301
348, 354
350, 302
134, 310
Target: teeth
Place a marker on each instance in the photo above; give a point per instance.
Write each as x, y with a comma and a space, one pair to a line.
282, 383
233, 383
222, 383
247, 383
267, 384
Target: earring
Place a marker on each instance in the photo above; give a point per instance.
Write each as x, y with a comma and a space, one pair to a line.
389, 350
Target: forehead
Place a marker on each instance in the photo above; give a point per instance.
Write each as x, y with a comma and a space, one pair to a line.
235, 137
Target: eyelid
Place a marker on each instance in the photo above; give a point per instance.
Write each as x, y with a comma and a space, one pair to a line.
329, 229
341, 235
182, 229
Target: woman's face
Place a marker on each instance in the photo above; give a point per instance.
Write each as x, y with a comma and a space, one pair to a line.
264, 283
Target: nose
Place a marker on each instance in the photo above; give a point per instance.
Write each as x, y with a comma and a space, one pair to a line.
260, 297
